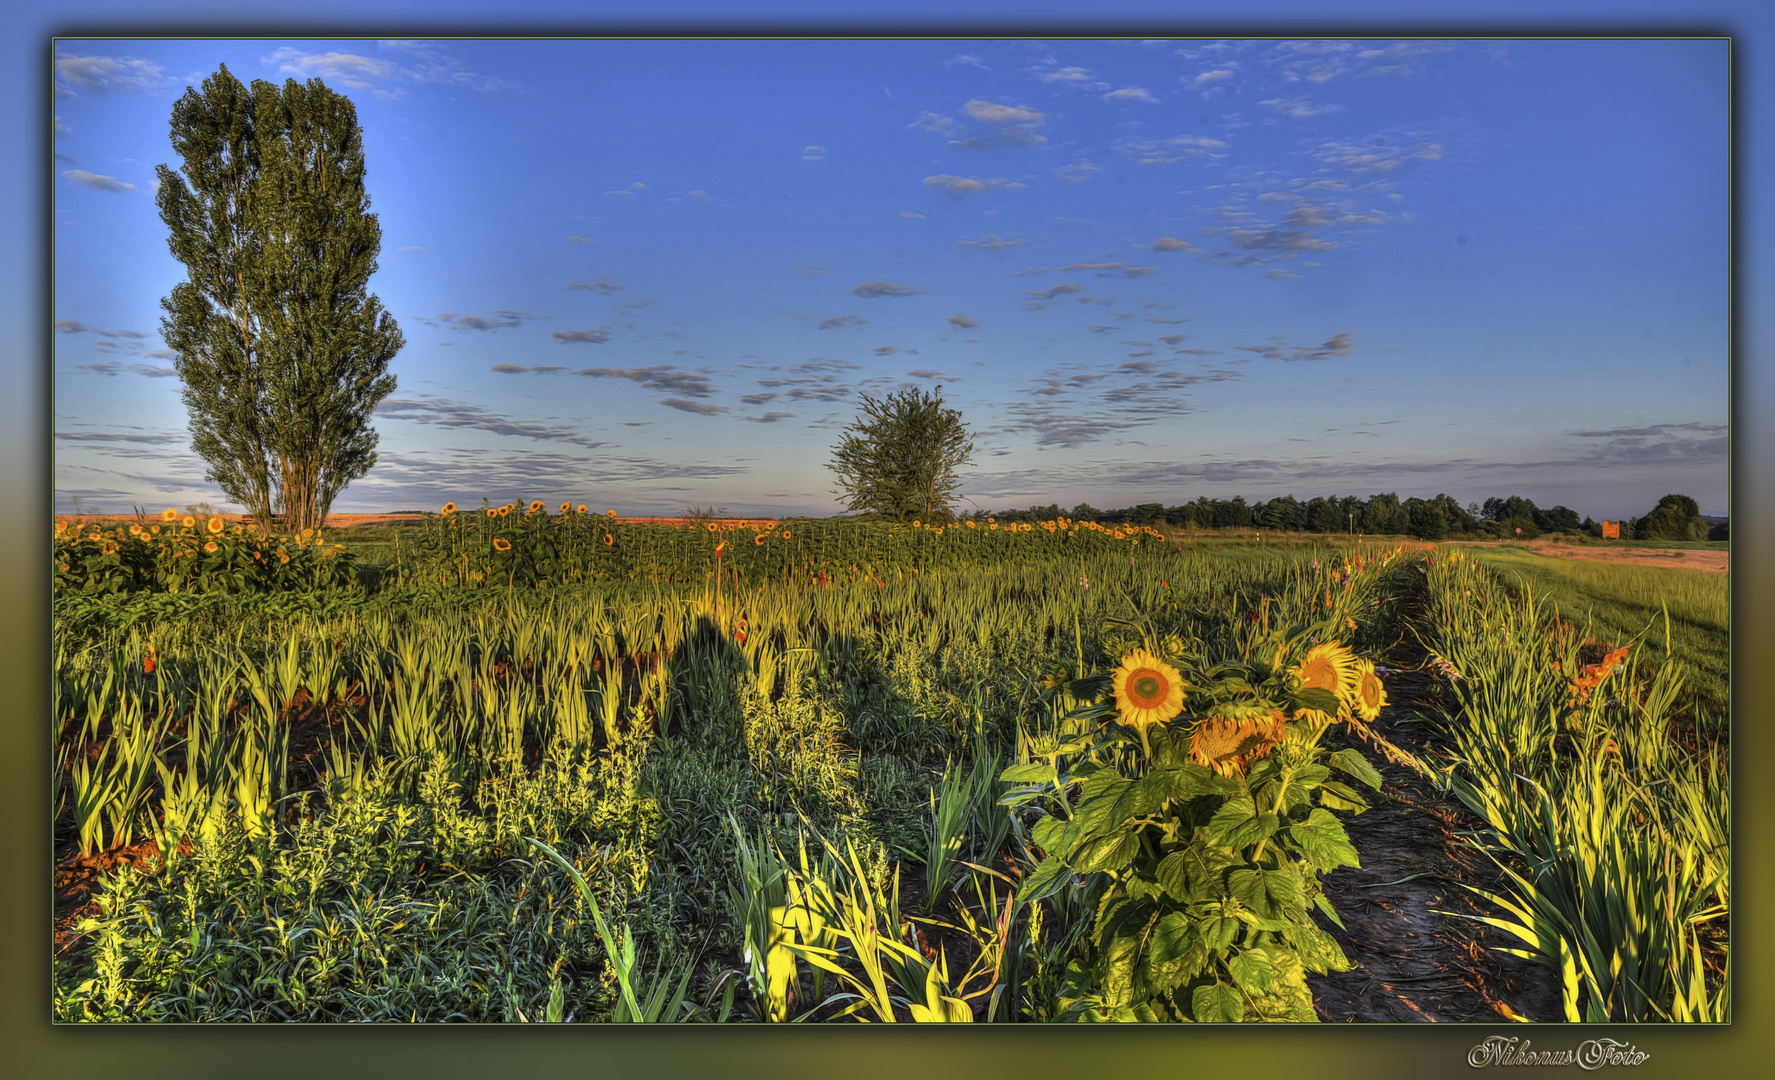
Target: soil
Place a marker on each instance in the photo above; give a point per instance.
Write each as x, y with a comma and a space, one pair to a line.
1412, 965
1715, 562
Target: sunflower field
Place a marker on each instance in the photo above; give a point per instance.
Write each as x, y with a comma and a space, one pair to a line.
554, 767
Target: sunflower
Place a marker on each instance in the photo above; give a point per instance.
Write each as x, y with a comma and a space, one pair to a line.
714, 527
169, 514
283, 556
1148, 690
566, 508
535, 505
582, 508
188, 521
134, 530
1370, 695
610, 513
785, 534
1229, 746
216, 525
500, 543
1329, 666
609, 540
759, 539
210, 548
449, 508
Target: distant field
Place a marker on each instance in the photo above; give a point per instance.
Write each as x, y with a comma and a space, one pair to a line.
1620, 600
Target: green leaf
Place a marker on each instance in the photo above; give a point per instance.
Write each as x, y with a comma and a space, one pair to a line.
1251, 970
1314, 698
1217, 932
1049, 878
1321, 838
1172, 937
1049, 834
1336, 795
1351, 762
1217, 1003
1237, 824
1034, 773
1105, 853
1324, 905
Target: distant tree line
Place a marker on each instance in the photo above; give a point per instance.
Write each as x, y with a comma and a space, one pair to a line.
1676, 517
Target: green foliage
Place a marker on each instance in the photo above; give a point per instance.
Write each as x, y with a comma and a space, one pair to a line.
1676, 517
194, 559
1202, 879
898, 459
283, 353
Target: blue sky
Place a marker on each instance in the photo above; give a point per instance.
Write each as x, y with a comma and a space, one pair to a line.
646, 275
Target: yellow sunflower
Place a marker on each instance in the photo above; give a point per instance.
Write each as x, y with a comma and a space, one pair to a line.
283, 556
1148, 690
1370, 695
500, 543
188, 521
1328, 667
582, 508
169, 514
216, 525
1229, 746
566, 508
610, 513
785, 534
759, 539
449, 508
535, 505
609, 540
210, 548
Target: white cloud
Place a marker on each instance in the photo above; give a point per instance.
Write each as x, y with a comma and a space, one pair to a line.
1130, 93
991, 113
967, 185
94, 180
813, 153
108, 74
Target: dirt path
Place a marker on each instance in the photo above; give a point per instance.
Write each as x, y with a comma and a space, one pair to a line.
1412, 965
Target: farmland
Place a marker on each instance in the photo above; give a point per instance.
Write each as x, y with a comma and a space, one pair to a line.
533, 765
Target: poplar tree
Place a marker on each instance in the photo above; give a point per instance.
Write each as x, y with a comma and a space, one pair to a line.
282, 351
898, 459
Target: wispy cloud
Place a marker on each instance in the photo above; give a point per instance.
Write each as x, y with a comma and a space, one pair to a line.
962, 322
106, 75
1300, 108
813, 153
1658, 444
700, 408
1381, 153
770, 417
819, 379
574, 238
663, 377
73, 326
1131, 93
603, 286
1078, 172
502, 319
461, 415
588, 337
534, 369
1058, 290
424, 62
967, 185
633, 191
1172, 243
1341, 344
966, 60
870, 289
837, 321
1113, 269
97, 180
1173, 150
1332, 61
993, 242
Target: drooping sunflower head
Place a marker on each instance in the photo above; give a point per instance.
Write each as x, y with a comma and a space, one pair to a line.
1370, 695
1147, 690
500, 543
1329, 666
1229, 746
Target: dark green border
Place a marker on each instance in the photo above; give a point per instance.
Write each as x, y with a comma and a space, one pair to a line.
30, 1047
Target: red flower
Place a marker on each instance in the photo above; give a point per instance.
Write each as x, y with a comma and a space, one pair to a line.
148, 664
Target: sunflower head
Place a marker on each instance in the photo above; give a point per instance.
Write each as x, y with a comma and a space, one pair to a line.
759, 539
1369, 695
216, 525
582, 508
1329, 666
1147, 690
210, 548
1229, 746
566, 508
449, 508
169, 514
188, 521
609, 540
610, 513
500, 543
535, 505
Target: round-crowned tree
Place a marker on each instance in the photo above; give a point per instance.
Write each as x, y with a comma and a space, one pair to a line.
899, 458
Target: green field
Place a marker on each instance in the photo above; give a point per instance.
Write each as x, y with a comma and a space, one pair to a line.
1617, 601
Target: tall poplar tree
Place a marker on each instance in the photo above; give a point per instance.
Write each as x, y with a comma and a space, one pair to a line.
898, 459
283, 353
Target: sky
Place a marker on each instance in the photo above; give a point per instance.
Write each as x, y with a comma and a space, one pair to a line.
649, 275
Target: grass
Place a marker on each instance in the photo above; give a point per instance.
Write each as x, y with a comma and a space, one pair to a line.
1617, 601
